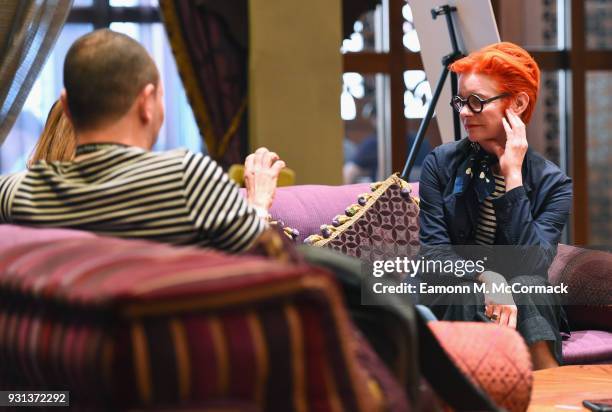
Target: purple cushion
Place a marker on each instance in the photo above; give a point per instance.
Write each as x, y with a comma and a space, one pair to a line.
588, 346
383, 225
307, 207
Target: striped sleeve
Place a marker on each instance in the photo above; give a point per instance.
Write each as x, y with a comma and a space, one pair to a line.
8, 187
216, 206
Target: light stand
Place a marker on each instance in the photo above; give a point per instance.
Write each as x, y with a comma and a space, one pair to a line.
456, 54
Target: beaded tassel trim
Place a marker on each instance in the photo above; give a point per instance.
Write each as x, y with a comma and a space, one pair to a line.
356, 210
291, 233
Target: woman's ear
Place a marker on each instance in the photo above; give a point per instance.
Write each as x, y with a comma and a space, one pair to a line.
519, 103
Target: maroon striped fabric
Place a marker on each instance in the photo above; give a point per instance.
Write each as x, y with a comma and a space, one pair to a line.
133, 324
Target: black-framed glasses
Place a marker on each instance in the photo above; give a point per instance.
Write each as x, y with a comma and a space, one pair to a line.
475, 103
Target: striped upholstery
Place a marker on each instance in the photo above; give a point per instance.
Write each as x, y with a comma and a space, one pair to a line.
133, 324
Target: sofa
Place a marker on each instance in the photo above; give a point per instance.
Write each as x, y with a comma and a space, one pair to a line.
588, 273
133, 324
130, 324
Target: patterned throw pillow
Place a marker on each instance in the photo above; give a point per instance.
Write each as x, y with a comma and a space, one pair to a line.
498, 362
381, 225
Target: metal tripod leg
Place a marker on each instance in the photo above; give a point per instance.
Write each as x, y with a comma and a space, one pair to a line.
424, 124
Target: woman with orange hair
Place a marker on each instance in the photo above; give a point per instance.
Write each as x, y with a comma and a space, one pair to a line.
57, 141
488, 190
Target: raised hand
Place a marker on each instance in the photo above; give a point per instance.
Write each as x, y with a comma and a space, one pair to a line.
512, 155
261, 171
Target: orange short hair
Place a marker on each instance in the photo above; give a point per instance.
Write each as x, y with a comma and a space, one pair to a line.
509, 65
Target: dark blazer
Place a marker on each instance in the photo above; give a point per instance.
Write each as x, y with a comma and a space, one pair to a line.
531, 216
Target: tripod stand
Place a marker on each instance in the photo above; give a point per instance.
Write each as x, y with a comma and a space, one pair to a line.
456, 54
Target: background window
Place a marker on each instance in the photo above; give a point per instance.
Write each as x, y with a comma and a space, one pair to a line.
179, 129
20, 141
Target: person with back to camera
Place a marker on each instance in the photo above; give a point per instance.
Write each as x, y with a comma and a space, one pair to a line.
115, 185
492, 189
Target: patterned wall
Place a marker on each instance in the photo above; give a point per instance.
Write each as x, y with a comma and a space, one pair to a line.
599, 125
550, 84
533, 24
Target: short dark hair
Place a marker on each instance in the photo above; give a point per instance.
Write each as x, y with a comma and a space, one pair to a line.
104, 71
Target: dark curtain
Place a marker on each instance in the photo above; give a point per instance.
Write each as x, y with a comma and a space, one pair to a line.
209, 41
28, 31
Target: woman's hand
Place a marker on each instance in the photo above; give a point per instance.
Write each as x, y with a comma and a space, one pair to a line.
499, 307
261, 171
512, 155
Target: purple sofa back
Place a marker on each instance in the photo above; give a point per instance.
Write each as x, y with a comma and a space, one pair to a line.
307, 207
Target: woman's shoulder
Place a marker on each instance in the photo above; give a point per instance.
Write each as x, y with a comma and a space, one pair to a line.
442, 162
447, 154
545, 177
450, 149
543, 168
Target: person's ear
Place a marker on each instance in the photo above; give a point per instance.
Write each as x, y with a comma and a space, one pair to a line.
146, 103
65, 108
519, 103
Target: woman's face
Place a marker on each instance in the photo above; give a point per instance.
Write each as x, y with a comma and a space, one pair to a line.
486, 126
